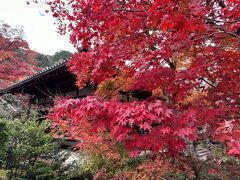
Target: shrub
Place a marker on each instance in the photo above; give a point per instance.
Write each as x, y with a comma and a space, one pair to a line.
3, 142
29, 152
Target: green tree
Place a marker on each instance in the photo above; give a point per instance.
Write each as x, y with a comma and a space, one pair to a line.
42, 60
62, 55
30, 152
48, 60
3, 142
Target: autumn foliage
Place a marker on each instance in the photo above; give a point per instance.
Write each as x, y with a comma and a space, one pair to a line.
17, 61
177, 62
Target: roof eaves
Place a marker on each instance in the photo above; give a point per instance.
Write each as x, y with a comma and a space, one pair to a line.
35, 76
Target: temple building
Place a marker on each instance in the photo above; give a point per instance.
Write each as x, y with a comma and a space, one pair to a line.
47, 84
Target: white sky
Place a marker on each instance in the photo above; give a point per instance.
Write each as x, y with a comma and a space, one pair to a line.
40, 32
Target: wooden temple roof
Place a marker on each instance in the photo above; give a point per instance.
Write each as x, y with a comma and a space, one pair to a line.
50, 81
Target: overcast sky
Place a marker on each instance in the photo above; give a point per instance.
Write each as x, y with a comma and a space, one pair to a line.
40, 32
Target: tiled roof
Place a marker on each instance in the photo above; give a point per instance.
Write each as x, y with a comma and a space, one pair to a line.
35, 76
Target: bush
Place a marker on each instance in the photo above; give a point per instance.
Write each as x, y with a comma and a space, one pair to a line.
3, 142
29, 152
3, 174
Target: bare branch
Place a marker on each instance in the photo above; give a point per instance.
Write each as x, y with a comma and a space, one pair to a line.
201, 78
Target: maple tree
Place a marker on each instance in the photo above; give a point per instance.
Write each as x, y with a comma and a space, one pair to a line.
180, 59
16, 59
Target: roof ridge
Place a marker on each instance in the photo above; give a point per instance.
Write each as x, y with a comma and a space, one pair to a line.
44, 70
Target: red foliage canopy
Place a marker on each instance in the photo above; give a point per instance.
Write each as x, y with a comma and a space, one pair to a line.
188, 49
16, 59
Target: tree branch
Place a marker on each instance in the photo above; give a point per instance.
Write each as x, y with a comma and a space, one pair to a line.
207, 82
